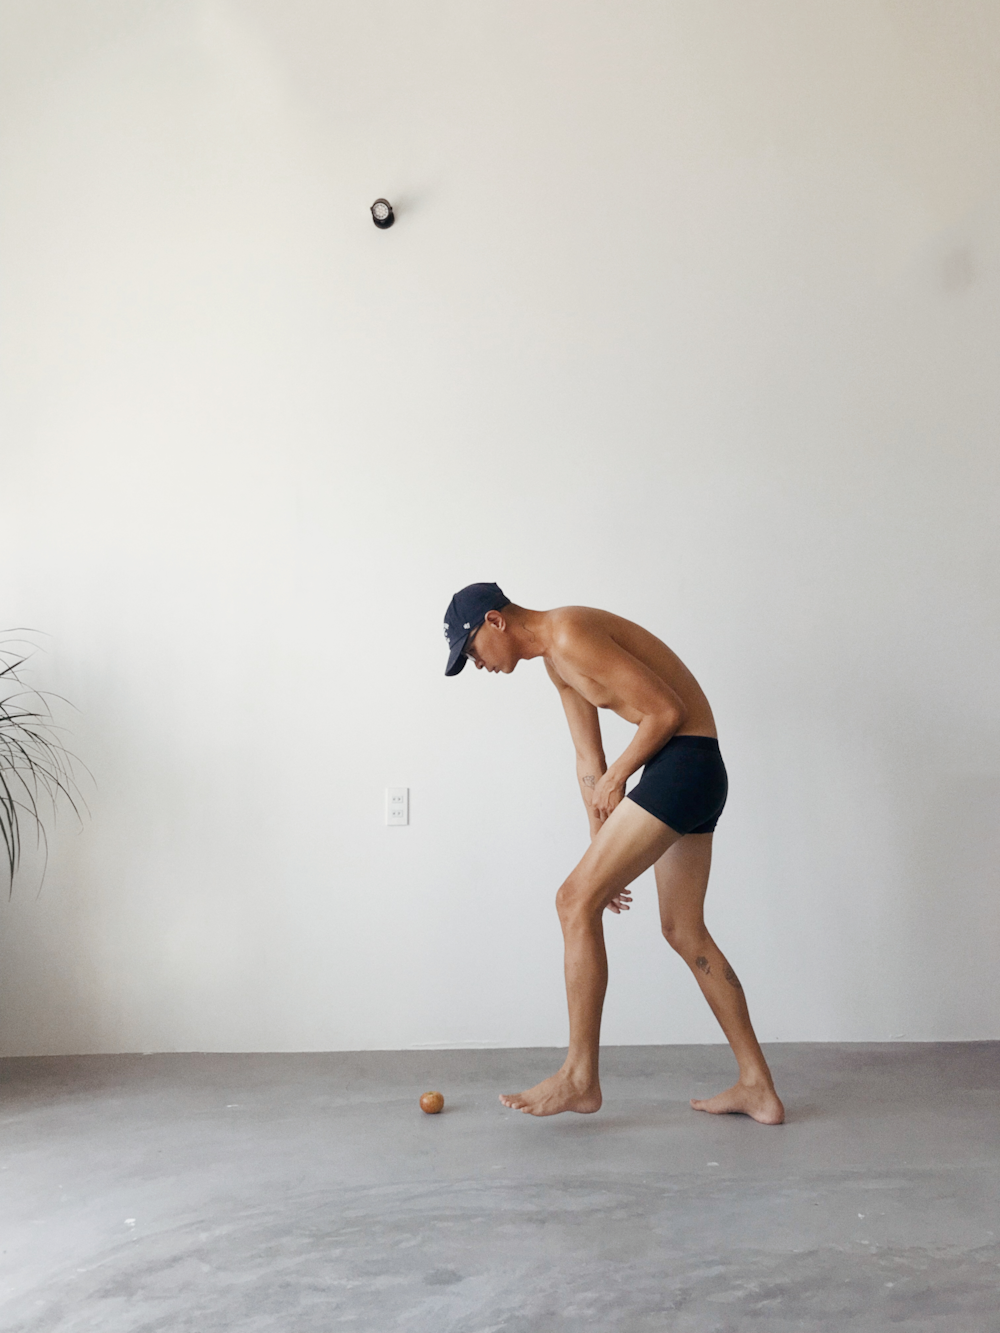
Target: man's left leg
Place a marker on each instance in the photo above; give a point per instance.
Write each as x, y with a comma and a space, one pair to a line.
681, 882
630, 842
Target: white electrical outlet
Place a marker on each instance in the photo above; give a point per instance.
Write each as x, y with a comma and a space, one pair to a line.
397, 806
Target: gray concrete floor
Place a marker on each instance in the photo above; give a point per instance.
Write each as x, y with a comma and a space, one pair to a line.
309, 1192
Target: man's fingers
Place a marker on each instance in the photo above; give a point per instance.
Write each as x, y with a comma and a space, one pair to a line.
620, 902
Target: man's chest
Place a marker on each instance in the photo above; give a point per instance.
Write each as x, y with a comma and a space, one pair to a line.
596, 692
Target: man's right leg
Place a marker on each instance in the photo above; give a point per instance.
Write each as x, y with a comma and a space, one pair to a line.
630, 841
681, 883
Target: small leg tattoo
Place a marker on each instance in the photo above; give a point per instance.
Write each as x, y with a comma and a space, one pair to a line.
703, 965
732, 978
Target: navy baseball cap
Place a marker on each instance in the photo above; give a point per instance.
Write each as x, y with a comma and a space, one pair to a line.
466, 612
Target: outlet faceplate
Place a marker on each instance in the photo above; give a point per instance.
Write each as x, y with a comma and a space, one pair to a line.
397, 806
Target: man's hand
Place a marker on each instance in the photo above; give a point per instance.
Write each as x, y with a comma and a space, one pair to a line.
608, 793
621, 902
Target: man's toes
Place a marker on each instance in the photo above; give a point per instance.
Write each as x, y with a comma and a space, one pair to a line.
713, 1105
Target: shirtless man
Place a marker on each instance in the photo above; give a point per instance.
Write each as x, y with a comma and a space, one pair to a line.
598, 660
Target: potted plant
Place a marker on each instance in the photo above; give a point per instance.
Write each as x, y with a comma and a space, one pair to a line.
36, 769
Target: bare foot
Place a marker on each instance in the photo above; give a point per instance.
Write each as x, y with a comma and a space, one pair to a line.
753, 1099
555, 1094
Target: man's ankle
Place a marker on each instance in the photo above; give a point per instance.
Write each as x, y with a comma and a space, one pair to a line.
582, 1076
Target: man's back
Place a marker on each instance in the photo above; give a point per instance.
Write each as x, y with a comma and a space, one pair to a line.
578, 632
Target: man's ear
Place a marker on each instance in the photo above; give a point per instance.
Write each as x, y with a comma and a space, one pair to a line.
496, 620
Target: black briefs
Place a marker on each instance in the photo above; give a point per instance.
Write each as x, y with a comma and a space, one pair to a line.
684, 784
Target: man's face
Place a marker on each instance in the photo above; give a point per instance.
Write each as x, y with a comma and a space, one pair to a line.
490, 648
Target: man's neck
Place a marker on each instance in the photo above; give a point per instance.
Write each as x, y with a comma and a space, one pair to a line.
532, 629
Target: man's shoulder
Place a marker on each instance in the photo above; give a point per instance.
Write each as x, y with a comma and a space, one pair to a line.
572, 626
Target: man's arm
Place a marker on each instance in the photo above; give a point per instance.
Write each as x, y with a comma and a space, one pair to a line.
585, 728
634, 691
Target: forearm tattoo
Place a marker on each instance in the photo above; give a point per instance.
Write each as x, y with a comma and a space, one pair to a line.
732, 978
703, 965
589, 780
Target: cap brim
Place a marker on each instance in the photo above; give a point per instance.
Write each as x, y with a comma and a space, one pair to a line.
457, 658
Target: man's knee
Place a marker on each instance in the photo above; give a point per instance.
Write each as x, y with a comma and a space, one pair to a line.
687, 937
575, 901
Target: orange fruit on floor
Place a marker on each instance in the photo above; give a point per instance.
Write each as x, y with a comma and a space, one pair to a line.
431, 1102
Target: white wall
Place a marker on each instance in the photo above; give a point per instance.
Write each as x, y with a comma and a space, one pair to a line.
689, 312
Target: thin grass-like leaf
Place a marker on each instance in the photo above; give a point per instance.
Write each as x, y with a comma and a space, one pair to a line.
37, 771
